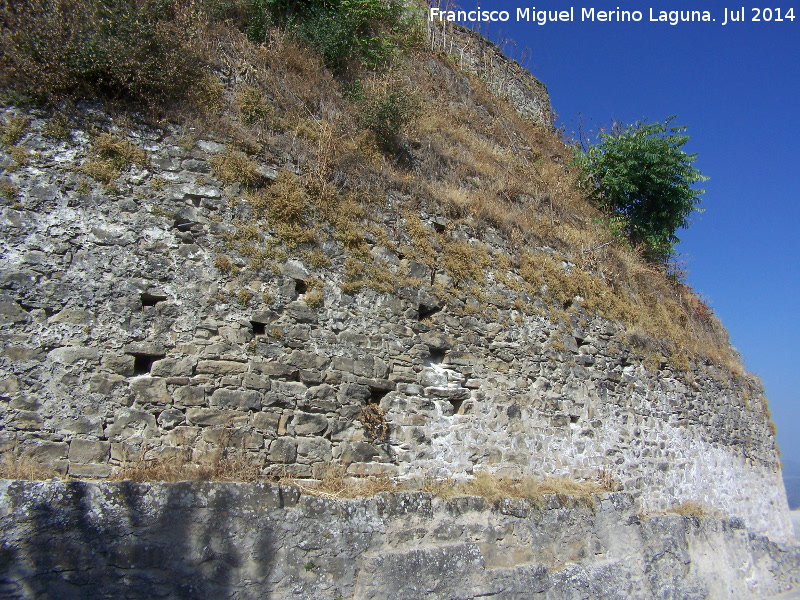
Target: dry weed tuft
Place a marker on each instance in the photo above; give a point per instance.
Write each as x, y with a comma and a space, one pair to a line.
690, 508
13, 129
27, 469
236, 167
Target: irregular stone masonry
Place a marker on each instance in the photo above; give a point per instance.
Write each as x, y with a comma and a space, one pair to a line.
91, 540
474, 54
122, 340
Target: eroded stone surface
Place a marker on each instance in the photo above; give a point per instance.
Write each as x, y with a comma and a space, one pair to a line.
210, 540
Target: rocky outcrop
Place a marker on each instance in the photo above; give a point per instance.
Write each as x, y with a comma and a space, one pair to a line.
209, 540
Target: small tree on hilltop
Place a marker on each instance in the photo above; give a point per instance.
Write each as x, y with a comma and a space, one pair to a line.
639, 175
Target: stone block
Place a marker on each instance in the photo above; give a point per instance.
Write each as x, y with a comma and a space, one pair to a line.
42, 451
436, 340
11, 312
315, 449
300, 312
243, 399
214, 416
128, 423
308, 424
352, 452
256, 382
88, 451
283, 450
364, 367
173, 367
105, 383
449, 393
266, 421
122, 364
354, 392
189, 396
372, 469
220, 367
90, 471
274, 370
183, 435
72, 316
307, 360
8, 385
150, 390
26, 420
171, 418
69, 355
342, 363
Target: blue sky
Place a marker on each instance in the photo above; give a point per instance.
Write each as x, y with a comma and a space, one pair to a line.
737, 87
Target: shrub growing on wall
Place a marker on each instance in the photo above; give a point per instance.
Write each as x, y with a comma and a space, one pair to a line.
642, 178
341, 31
135, 50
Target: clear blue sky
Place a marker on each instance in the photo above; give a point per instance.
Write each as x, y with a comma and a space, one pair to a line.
737, 87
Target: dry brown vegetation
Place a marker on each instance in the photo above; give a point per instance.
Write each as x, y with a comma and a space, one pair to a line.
25, 468
494, 488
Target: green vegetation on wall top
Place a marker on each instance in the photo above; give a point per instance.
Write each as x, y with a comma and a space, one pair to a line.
640, 176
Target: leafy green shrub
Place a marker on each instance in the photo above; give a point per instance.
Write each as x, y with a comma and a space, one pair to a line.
640, 176
341, 31
135, 50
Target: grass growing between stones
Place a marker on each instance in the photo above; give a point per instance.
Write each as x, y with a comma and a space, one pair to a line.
494, 488
225, 468
26, 469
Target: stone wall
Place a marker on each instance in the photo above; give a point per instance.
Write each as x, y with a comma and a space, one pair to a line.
204, 540
123, 337
473, 53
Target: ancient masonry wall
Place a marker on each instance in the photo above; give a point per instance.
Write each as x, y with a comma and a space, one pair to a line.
87, 540
121, 339
505, 77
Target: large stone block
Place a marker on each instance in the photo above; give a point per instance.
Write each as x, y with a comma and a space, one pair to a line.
315, 449
173, 367
308, 424
129, 423
190, 395
220, 367
88, 451
283, 450
243, 399
69, 355
26, 420
150, 390
214, 416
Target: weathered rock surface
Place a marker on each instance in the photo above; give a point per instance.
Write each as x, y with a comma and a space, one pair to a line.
211, 540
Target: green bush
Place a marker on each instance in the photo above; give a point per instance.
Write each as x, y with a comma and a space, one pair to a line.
135, 50
643, 180
341, 31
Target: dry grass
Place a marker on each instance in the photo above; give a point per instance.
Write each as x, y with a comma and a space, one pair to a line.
233, 467
494, 488
13, 129
236, 167
112, 155
336, 484
27, 469
690, 508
